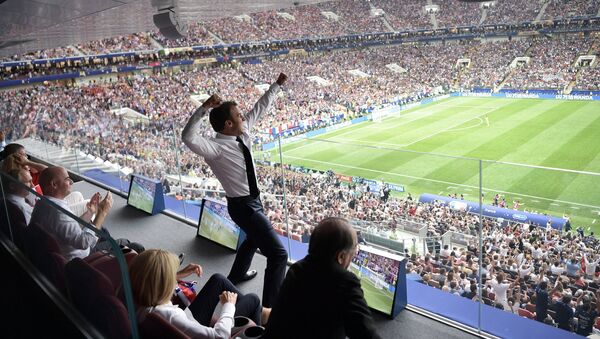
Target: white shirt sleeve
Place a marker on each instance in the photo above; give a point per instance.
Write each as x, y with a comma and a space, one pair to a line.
262, 105
71, 233
195, 141
178, 318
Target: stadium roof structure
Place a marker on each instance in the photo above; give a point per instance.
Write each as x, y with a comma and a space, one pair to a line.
29, 25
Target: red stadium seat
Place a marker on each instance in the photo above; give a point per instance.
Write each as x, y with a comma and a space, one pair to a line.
107, 263
45, 254
525, 313
12, 223
93, 295
154, 326
530, 308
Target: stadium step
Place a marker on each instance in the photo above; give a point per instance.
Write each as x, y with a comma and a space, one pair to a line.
154, 43
216, 37
483, 16
387, 23
78, 52
505, 79
433, 20
542, 10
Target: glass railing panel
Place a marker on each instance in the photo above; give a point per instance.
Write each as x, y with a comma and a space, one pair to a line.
184, 178
408, 202
541, 225
279, 198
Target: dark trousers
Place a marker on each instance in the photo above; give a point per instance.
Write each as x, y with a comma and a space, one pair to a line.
247, 213
207, 299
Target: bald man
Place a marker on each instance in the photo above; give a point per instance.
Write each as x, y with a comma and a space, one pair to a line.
319, 297
74, 240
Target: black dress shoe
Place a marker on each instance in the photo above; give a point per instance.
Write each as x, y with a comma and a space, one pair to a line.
249, 275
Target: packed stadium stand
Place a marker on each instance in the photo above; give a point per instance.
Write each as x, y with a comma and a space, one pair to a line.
113, 106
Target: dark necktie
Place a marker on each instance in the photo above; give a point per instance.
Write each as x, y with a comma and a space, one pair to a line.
249, 169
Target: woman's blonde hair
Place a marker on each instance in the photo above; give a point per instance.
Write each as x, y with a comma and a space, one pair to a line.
153, 276
11, 164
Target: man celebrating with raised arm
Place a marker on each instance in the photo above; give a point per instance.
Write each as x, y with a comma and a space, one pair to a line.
229, 156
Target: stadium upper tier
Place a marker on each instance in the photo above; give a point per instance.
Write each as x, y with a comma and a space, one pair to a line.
390, 73
336, 18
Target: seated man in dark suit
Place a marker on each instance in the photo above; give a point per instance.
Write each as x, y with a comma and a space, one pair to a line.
319, 297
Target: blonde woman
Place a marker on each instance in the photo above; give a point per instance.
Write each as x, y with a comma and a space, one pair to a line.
153, 278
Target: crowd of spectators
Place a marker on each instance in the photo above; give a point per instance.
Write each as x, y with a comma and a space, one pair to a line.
73, 115
518, 261
589, 79
236, 29
80, 117
83, 64
512, 11
197, 35
490, 62
458, 13
410, 16
42, 54
328, 19
128, 43
558, 9
551, 64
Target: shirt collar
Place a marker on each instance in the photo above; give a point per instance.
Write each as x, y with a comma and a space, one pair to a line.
15, 198
225, 136
57, 201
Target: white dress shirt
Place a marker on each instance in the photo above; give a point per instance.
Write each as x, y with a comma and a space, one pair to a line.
223, 153
180, 319
590, 266
74, 241
22, 205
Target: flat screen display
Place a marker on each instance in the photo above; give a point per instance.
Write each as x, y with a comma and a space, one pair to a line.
142, 192
378, 273
216, 225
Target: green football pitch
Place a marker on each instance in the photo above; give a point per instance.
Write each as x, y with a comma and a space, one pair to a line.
543, 153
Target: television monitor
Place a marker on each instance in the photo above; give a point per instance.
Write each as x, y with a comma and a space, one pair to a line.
146, 194
382, 278
215, 224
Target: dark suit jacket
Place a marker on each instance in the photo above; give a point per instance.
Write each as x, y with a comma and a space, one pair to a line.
320, 300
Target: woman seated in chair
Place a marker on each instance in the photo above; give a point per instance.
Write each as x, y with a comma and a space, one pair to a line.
153, 279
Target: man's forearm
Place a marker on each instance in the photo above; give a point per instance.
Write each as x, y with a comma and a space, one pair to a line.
192, 125
36, 166
99, 219
263, 104
86, 216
